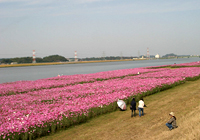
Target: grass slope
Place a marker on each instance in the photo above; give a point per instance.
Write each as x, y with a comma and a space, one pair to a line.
183, 100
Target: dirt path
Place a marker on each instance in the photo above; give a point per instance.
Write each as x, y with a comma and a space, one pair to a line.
183, 100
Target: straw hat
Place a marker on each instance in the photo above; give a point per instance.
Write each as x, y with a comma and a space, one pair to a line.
171, 113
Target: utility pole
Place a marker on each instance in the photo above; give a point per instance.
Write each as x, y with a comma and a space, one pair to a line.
104, 55
121, 54
138, 54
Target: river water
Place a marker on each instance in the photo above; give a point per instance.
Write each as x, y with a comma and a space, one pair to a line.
11, 74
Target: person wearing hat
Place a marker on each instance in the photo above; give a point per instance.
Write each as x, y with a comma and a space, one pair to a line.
171, 124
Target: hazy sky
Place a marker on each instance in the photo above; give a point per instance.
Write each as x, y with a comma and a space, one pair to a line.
95, 28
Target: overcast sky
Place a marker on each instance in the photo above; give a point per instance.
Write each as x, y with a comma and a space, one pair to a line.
96, 28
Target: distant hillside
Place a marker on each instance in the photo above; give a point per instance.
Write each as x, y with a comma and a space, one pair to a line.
170, 55
54, 58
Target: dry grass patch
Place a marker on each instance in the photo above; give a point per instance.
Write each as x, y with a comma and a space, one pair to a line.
59, 63
184, 100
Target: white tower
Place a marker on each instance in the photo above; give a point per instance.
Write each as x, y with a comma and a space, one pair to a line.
34, 61
75, 56
148, 56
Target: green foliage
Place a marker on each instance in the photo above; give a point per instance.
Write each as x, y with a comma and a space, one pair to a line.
105, 58
54, 58
18, 60
39, 60
47, 101
192, 78
170, 55
6, 61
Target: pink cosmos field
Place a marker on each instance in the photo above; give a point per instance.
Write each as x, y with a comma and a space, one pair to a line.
26, 86
179, 65
37, 104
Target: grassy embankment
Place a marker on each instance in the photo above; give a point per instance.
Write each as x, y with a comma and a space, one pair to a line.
183, 100
59, 63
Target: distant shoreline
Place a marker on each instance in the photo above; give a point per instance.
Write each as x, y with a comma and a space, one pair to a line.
72, 62
62, 63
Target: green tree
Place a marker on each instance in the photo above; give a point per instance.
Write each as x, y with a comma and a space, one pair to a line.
6, 61
170, 55
54, 58
39, 60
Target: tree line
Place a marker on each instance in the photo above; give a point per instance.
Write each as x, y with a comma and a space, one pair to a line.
51, 58
105, 58
58, 58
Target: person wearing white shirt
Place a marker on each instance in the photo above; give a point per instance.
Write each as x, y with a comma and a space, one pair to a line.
141, 107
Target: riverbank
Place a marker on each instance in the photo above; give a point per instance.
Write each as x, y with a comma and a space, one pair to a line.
183, 100
19, 73
82, 62
61, 63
